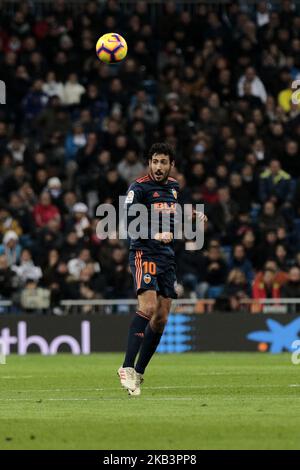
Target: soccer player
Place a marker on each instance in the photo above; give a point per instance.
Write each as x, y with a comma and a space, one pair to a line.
152, 263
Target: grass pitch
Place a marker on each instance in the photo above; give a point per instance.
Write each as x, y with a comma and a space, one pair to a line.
189, 401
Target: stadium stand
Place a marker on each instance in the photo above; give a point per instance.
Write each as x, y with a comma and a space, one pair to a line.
214, 81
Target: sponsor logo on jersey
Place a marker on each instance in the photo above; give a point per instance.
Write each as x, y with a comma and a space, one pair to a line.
169, 207
129, 198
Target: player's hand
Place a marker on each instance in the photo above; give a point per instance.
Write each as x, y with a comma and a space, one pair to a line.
200, 215
164, 237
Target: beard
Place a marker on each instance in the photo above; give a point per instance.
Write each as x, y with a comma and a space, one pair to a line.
160, 176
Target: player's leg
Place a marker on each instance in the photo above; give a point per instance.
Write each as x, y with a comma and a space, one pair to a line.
166, 280
147, 306
159, 320
145, 286
147, 301
153, 334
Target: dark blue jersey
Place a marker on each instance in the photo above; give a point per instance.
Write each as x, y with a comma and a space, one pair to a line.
160, 200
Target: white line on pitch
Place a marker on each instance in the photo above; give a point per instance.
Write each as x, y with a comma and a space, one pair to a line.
172, 387
98, 399
16, 377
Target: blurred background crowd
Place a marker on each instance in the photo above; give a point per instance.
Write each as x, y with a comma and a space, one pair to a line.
214, 81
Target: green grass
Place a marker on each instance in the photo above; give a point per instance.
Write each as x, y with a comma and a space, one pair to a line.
189, 401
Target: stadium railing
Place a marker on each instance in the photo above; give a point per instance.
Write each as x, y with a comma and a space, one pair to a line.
187, 306
6, 306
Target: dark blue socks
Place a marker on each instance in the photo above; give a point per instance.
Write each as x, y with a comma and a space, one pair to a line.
135, 338
149, 345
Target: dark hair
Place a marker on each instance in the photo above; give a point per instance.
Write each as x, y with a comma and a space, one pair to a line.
162, 148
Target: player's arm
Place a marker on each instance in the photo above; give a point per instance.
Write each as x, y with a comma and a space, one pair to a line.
200, 216
134, 196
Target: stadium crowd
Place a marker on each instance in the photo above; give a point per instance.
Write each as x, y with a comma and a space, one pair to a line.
215, 82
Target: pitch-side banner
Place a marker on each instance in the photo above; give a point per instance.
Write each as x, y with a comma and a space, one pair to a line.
184, 333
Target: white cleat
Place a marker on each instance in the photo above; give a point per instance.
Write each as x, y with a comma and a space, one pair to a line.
127, 378
138, 382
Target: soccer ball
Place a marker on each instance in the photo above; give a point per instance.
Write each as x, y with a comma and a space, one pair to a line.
111, 48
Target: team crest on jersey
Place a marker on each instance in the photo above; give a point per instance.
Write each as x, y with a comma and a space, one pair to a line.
147, 278
129, 197
174, 192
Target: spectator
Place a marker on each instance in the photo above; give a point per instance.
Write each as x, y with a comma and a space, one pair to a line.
266, 287
95, 103
27, 270
249, 244
266, 249
40, 181
52, 87
112, 187
71, 246
68, 201
240, 262
34, 298
73, 90
45, 211
76, 265
130, 167
191, 264
281, 257
276, 184
270, 219
7, 222
50, 267
236, 290
17, 149
81, 221
11, 248
21, 213
119, 277
54, 187
285, 95
257, 86
7, 284
14, 181
280, 276
240, 193
209, 191
47, 238
53, 119
106, 249
86, 155
35, 101
60, 286
74, 141
291, 289
215, 271
290, 160
140, 99
223, 212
